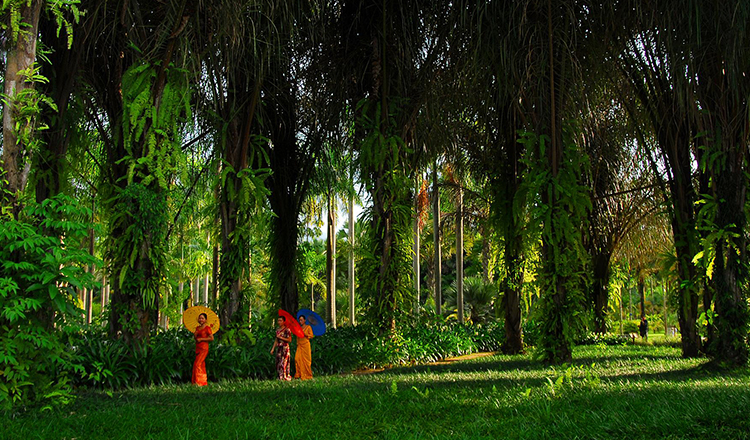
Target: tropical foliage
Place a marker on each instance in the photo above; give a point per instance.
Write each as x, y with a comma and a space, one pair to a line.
588, 163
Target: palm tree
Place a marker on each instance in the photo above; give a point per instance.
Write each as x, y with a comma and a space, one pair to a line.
141, 98
555, 39
389, 65
623, 194
718, 37
493, 45
478, 300
297, 120
659, 61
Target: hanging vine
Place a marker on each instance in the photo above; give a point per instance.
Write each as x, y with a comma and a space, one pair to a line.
560, 217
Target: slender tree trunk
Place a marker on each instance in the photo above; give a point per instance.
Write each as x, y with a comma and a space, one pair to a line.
83, 297
437, 270
621, 312
642, 294
417, 275
486, 275
460, 255
90, 304
352, 313
163, 318
600, 291
104, 294
180, 289
215, 277
331, 262
665, 311
90, 297
197, 300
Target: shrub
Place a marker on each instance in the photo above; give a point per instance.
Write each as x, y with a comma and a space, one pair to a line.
630, 326
112, 364
603, 338
168, 356
39, 275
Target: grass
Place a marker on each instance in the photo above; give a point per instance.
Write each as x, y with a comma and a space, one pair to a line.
634, 392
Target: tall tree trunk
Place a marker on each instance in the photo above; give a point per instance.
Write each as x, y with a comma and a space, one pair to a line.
384, 269
724, 90
642, 293
507, 206
90, 294
416, 267
331, 262
512, 292
233, 254
292, 163
104, 294
729, 281
163, 318
558, 310
486, 275
20, 58
600, 290
437, 259
215, 276
234, 246
352, 313
686, 243
460, 255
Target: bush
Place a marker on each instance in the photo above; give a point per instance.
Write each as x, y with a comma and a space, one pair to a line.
630, 326
39, 275
603, 338
168, 356
112, 364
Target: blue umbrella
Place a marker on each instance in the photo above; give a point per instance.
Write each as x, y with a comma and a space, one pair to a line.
313, 320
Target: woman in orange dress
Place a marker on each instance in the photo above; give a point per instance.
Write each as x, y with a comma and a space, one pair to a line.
281, 349
303, 355
203, 335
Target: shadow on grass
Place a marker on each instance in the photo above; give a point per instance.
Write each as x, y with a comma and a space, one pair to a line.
480, 373
497, 362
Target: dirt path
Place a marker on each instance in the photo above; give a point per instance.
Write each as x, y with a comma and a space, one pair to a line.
445, 361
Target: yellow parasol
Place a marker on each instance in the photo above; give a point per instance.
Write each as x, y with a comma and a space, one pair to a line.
190, 318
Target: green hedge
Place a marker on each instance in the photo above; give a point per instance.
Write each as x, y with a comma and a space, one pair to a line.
605, 338
168, 356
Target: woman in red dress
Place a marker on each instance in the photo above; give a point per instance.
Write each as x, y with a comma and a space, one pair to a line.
203, 335
281, 349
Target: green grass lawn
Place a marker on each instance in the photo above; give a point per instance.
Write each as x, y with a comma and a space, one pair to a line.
633, 392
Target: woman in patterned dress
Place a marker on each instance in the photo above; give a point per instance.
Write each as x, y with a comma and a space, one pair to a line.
281, 349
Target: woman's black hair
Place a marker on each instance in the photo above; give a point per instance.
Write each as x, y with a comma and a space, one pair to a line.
204, 315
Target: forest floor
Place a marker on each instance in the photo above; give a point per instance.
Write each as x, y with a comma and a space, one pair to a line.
633, 392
